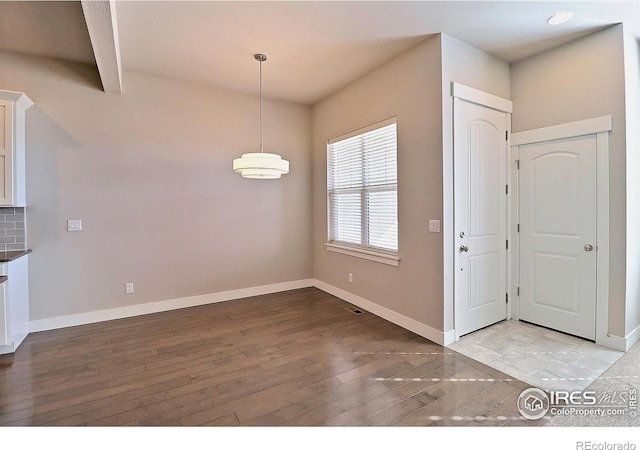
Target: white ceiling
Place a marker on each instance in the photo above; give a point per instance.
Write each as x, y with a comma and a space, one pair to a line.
313, 47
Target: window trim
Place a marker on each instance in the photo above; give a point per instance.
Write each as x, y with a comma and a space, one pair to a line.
359, 252
369, 253
363, 130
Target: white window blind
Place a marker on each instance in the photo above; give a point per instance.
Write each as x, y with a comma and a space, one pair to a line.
362, 188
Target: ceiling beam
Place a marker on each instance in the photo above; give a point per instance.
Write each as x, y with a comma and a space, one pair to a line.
103, 32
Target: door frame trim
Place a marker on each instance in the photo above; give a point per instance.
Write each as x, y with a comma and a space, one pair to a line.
469, 94
600, 127
481, 98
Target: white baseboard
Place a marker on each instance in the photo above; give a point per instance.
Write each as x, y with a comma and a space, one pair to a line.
613, 342
4, 349
403, 321
632, 338
449, 337
622, 344
619, 343
166, 305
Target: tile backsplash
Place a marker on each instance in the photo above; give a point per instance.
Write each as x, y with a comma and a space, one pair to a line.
12, 229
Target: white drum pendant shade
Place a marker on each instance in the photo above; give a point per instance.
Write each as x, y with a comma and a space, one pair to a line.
261, 165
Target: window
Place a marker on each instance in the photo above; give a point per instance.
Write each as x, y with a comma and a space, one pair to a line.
362, 193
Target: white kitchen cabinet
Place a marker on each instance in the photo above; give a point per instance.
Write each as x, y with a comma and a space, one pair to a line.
4, 316
14, 304
13, 106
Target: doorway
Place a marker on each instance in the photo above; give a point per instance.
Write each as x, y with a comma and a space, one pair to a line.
481, 126
560, 216
557, 233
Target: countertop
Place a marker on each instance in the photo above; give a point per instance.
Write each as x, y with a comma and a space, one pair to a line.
15, 254
3, 278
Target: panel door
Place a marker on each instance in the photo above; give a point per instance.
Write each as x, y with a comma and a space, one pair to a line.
558, 234
480, 172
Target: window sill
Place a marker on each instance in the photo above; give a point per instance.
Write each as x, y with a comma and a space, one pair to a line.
370, 255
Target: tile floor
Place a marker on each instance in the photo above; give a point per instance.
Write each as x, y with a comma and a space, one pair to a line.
538, 356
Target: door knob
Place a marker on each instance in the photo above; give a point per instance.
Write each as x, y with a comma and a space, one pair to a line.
464, 248
588, 248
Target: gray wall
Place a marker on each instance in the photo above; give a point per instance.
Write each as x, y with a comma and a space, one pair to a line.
149, 173
582, 80
408, 87
416, 88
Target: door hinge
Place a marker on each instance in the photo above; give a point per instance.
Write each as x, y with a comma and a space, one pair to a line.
507, 297
507, 189
506, 135
518, 164
507, 244
518, 291
518, 228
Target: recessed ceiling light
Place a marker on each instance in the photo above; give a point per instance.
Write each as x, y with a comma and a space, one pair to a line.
560, 17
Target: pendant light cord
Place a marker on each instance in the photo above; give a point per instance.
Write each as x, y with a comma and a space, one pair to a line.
261, 127
261, 58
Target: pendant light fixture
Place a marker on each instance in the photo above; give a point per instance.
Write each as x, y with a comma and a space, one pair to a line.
261, 165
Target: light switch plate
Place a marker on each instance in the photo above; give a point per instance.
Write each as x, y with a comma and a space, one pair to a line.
434, 226
74, 225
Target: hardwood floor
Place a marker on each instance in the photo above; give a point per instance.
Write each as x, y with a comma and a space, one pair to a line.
297, 358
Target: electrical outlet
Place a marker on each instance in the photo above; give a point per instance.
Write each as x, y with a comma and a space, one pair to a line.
350, 277
128, 288
74, 225
434, 226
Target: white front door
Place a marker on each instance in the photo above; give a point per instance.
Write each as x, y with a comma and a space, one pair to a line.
557, 189
480, 215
